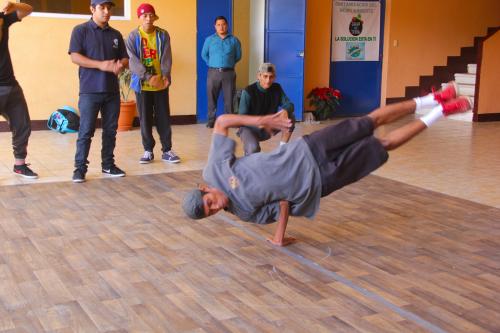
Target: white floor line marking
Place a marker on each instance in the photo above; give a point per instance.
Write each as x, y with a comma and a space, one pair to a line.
365, 292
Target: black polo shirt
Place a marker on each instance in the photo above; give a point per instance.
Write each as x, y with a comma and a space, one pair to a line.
97, 43
6, 71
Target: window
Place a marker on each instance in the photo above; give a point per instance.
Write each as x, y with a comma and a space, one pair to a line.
73, 8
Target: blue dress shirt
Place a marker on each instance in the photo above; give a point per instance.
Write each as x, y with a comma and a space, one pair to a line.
221, 53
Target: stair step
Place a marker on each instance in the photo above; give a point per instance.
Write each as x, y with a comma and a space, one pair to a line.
428, 82
467, 89
464, 78
492, 30
469, 52
472, 68
392, 100
478, 41
443, 73
414, 91
464, 89
466, 116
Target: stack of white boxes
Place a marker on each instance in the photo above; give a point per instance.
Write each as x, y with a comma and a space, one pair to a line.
466, 86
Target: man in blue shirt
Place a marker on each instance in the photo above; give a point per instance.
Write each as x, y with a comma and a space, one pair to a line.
100, 52
12, 102
221, 51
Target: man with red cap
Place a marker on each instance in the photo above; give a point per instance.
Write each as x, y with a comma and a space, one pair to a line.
150, 55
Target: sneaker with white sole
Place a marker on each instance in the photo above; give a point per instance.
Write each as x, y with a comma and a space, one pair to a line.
449, 92
457, 105
79, 175
148, 157
24, 171
170, 157
114, 171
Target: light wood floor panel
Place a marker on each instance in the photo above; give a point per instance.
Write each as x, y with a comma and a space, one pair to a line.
119, 255
453, 157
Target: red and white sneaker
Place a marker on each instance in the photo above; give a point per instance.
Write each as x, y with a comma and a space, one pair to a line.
450, 91
457, 105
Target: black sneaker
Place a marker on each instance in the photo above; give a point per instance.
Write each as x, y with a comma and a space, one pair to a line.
79, 175
211, 123
24, 171
114, 171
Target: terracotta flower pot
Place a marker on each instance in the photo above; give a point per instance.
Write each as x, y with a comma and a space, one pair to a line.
127, 115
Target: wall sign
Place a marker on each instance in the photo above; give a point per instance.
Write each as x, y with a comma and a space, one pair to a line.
355, 31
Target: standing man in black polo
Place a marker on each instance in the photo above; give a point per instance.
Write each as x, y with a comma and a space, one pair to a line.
221, 51
100, 52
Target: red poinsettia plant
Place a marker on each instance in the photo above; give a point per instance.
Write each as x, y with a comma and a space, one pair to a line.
325, 101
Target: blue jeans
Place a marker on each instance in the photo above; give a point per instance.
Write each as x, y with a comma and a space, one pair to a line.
90, 105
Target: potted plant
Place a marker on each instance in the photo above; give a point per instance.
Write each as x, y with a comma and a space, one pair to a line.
127, 107
325, 101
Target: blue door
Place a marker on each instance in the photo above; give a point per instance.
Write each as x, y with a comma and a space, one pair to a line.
359, 81
207, 11
284, 46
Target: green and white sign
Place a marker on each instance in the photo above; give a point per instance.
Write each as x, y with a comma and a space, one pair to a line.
356, 31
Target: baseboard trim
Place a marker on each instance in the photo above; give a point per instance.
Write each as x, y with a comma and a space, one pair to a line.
184, 120
487, 117
41, 125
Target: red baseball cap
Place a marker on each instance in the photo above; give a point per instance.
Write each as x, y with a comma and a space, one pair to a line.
146, 8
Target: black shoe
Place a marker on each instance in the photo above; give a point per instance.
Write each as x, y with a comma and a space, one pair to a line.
24, 171
114, 171
79, 175
211, 123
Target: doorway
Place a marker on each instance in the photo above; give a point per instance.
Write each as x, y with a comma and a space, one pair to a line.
207, 11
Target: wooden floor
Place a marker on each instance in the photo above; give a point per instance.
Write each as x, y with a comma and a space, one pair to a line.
383, 255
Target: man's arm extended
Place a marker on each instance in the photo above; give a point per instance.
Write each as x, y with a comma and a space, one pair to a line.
22, 9
275, 121
279, 235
